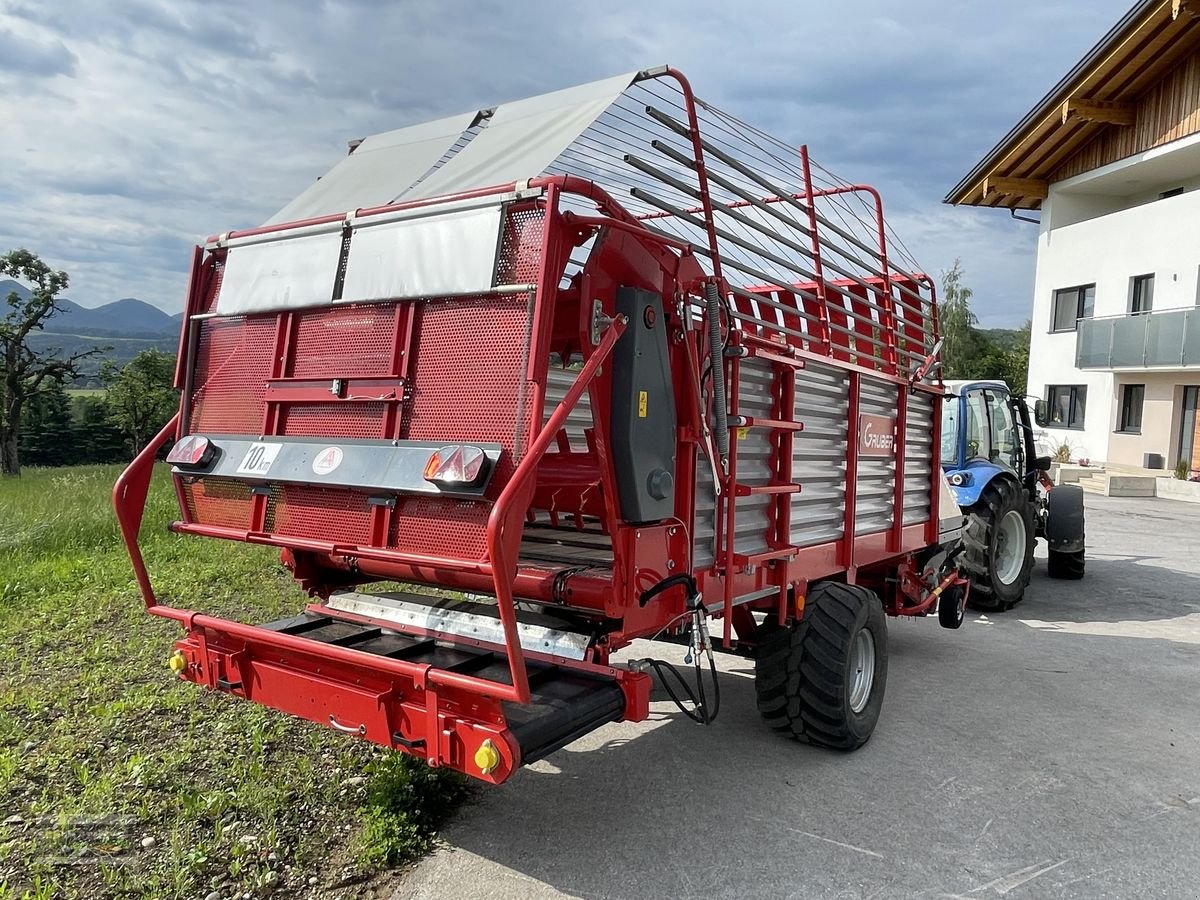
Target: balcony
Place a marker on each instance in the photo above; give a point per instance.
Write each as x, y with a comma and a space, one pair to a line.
1163, 340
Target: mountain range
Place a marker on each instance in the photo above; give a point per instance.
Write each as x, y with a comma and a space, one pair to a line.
126, 318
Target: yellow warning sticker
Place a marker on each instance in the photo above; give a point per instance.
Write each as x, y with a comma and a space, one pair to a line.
743, 433
643, 402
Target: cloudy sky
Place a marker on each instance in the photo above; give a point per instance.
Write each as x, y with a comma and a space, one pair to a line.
131, 130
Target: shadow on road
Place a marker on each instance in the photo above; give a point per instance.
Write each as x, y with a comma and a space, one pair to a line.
1114, 589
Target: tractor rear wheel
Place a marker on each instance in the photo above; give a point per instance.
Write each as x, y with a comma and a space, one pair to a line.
1067, 566
822, 679
998, 541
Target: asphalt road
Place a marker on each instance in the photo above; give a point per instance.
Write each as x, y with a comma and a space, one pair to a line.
1051, 751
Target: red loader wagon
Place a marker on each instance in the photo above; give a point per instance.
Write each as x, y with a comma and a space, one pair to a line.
595, 366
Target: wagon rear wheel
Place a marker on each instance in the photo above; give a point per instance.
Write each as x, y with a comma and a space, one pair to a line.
822, 679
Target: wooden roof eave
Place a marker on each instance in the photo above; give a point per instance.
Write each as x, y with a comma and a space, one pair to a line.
1135, 61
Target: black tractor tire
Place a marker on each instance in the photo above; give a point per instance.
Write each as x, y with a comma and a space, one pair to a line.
981, 536
1067, 566
1065, 528
805, 674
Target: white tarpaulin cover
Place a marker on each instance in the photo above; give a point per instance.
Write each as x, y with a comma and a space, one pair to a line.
442, 251
523, 138
520, 140
380, 169
434, 256
282, 274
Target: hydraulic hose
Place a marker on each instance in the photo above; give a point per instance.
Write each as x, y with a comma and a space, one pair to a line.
712, 299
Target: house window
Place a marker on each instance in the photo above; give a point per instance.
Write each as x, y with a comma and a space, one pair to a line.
1067, 403
1132, 398
1141, 294
1071, 305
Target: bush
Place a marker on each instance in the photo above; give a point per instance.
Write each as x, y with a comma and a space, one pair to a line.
1063, 452
1183, 469
407, 802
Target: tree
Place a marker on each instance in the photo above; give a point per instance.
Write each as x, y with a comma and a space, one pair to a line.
47, 430
141, 397
1018, 361
962, 343
97, 438
24, 372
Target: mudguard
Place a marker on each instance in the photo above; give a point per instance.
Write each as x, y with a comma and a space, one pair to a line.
1064, 519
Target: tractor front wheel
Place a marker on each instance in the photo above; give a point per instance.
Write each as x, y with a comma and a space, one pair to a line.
998, 541
821, 680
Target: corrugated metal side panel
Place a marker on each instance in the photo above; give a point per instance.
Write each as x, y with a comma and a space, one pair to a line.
876, 475
558, 382
819, 455
918, 454
703, 529
756, 398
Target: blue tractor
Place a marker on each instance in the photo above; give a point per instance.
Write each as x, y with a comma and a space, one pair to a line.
1006, 495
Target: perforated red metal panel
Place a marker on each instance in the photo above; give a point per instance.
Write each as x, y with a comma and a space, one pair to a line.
320, 513
347, 341
468, 385
436, 526
335, 420
222, 503
233, 364
214, 286
465, 380
520, 259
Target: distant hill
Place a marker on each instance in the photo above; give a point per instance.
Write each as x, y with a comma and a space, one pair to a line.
121, 318
127, 318
122, 329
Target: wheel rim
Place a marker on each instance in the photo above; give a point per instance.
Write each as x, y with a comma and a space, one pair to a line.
862, 670
1010, 547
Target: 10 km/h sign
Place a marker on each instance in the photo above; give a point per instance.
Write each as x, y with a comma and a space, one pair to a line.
258, 459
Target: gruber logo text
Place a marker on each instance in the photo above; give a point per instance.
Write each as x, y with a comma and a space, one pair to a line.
876, 436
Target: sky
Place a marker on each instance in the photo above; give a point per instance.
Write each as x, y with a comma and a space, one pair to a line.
130, 131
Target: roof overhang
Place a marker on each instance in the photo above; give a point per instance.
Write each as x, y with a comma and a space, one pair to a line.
1098, 93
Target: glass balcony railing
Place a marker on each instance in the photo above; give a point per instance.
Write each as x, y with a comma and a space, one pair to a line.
1167, 339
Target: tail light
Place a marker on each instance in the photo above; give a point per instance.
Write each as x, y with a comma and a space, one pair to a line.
193, 450
458, 465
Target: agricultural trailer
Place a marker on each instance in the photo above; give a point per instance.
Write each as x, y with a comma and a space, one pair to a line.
1006, 494
599, 365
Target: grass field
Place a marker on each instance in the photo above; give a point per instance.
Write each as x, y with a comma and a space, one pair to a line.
116, 779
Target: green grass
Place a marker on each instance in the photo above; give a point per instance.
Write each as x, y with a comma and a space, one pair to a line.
101, 747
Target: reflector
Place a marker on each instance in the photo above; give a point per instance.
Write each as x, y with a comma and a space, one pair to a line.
458, 464
193, 450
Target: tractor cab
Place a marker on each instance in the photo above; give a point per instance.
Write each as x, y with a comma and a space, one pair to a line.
985, 431
991, 465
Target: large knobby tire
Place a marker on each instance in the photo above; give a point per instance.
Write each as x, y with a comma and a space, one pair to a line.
1068, 566
998, 542
1065, 532
822, 679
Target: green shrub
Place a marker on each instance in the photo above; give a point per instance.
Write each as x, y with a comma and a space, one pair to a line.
407, 802
1183, 469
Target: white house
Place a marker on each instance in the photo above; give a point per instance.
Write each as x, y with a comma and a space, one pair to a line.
1111, 159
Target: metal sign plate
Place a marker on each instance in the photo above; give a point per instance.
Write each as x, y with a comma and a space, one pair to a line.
876, 435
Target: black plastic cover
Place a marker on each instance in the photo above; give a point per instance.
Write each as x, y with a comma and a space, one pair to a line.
643, 411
